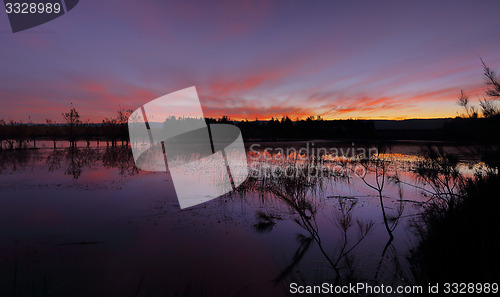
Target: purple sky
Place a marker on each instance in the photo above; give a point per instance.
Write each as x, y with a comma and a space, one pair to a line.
338, 59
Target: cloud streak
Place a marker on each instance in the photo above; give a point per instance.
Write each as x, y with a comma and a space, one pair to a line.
252, 59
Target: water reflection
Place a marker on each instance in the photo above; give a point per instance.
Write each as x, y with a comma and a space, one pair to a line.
84, 221
298, 185
73, 160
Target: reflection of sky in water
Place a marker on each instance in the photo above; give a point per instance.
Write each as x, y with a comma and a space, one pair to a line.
87, 223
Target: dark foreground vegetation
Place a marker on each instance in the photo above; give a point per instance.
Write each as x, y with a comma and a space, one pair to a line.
459, 226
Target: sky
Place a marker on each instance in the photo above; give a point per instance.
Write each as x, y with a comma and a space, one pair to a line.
252, 59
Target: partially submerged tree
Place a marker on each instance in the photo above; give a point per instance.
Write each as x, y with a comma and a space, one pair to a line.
115, 128
50, 131
122, 119
18, 133
72, 118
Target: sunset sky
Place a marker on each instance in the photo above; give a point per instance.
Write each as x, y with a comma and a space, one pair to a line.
248, 59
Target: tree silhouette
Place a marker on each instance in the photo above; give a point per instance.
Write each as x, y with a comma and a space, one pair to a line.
72, 118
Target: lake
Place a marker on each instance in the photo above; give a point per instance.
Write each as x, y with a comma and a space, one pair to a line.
86, 222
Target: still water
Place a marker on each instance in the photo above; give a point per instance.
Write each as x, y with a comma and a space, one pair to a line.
86, 222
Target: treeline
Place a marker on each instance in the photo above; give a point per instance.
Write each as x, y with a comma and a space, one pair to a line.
461, 129
311, 128
112, 131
